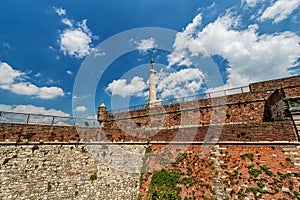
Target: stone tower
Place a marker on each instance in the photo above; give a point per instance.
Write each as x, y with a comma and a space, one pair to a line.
152, 88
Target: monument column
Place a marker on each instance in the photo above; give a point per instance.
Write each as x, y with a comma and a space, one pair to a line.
152, 89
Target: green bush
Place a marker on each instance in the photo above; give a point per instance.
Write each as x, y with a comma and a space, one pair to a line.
93, 177
266, 169
255, 191
283, 176
164, 185
35, 147
254, 172
250, 166
49, 187
248, 155
260, 184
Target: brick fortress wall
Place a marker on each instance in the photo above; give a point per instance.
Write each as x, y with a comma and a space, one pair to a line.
247, 116
239, 117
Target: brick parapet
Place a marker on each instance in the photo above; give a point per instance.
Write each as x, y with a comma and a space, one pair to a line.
262, 131
275, 84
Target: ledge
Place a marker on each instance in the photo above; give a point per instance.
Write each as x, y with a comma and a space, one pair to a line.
293, 143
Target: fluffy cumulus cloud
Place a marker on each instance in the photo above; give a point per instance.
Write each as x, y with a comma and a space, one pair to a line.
280, 10
7, 74
120, 87
13, 81
80, 109
76, 39
33, 110
251, 57
50, 92
146, 44
185, 44
185, 82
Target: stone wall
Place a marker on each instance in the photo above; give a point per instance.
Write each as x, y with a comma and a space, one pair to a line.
69, 172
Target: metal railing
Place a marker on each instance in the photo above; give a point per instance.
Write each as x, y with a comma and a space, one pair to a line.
207, 95
24, 118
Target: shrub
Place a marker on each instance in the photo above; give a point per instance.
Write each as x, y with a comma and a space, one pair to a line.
248, 155
49, 187
35, 147
250, 166
260, 184
266, 169
254, 172
93, 177
255, 191
282, 176
164, 184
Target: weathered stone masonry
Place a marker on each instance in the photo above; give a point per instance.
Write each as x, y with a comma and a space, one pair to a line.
63, 172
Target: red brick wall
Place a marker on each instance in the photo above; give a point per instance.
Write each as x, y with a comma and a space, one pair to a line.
233, 171
30, 132
264, 131
247, 107
275, 84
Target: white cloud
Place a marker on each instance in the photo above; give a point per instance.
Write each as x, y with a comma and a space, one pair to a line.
38, 75
24, 88
6, 108
69, 72
8, 74
251, 57
27, 88
80, 109
185, 44
280, 10
11, 80
185, 82
50, 92
76, 41
32, 110
251, 3
122, 88
60, 11
146, 44
67, 22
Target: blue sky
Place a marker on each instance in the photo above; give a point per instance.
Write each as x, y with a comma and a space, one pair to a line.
66, 57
